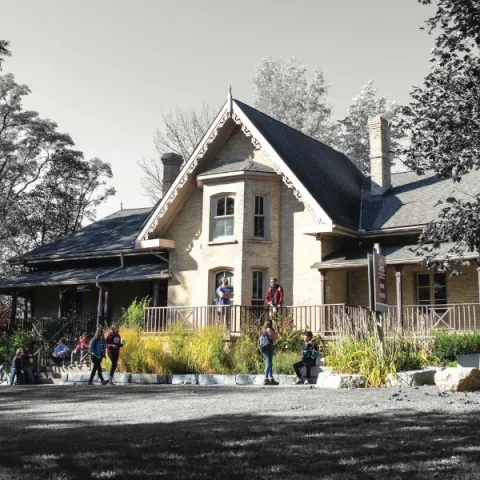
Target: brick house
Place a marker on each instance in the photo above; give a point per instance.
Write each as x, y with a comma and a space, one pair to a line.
257, 199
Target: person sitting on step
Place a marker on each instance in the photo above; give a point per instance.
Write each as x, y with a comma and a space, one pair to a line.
60, 353
309, 356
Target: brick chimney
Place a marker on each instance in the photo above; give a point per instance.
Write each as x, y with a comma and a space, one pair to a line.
172, 162
380, 175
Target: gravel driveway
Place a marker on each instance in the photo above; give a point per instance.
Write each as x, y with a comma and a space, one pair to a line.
163, 431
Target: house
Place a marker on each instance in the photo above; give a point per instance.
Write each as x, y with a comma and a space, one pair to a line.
258, 199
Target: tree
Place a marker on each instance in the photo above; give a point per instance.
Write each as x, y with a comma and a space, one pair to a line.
353, 134
443, 123
282, 90
181, 132
4, 51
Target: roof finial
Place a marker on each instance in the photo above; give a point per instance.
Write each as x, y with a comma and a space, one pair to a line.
121, 205
230, 100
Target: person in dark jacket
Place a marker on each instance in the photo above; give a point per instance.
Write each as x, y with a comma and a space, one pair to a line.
309, 355
114, 343
274, 296
27, 364
16, 371
97, 352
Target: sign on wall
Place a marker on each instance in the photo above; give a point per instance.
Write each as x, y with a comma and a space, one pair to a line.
377, 282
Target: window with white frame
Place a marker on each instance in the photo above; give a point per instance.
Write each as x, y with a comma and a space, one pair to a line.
223, 217
432, 288
258, 288
261, 217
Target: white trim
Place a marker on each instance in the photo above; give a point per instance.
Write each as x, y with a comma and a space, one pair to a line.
155, 243
201, 179
213, 214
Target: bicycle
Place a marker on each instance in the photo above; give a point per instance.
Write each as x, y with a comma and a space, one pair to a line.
4, 376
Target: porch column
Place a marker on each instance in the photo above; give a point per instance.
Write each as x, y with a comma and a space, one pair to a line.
398, 278
13, 315
105, 305
100, 304
156, 294
60, 303
323, 277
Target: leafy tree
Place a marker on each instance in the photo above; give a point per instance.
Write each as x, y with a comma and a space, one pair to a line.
282, 90
443, 123
4, 51
353, 135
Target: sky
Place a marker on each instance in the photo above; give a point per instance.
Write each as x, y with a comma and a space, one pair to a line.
107, 70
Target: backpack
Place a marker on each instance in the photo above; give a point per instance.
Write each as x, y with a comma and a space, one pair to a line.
264, 342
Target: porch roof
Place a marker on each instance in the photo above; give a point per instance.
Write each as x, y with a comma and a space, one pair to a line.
395, 255
78, 276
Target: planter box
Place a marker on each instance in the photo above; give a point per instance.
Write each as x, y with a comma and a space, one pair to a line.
469, 361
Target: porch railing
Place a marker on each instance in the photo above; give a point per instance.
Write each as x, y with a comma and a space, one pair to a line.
235, 318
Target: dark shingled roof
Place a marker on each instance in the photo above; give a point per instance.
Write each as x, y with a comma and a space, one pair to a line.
74, 276
329, 176
116, 232
414, 199
240, 166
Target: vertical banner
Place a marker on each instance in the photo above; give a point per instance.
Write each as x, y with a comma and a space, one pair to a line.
380, 282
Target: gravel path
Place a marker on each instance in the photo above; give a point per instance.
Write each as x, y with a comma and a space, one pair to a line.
160, 431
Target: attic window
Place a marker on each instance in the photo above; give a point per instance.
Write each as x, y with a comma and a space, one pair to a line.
223, 212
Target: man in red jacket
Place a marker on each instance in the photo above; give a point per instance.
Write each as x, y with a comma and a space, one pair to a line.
274, 297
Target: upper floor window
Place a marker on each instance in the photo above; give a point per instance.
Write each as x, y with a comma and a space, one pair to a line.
260, 217
223, 216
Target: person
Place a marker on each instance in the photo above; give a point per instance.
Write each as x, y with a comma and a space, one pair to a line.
274, 296
268, 351
60, 353
114, 343
97, 352
17, 370
27, 362
309, 355
82, 347
224, 295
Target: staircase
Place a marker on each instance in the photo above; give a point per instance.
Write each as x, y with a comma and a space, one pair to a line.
53, 375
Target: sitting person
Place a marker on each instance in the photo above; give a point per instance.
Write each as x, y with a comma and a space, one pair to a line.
27, 363
309, 355
83, 347
60, 353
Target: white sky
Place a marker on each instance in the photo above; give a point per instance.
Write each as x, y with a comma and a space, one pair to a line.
106, 70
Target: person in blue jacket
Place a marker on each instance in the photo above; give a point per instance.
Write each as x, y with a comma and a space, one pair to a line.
97, 352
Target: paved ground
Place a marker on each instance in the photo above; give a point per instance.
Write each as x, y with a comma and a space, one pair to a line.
160, 431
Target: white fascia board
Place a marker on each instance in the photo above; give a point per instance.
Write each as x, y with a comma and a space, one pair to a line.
155, 244
185, 168
320, 213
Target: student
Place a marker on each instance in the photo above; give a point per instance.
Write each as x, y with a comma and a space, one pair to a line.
309, 355
16, 370
97, 351
224, 295
27, 362
82, 347
274, 296
114, 343
60, 353
268, 351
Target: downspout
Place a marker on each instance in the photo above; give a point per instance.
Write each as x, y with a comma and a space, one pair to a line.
100, 293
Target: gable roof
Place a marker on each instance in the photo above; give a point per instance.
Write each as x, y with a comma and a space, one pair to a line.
414, 200
117, 232
329, 176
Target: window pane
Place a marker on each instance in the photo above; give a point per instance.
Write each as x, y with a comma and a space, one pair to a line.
228, 227
424, 280
230, 206
259, 226
258, 205
440, 294
439, 279
219, 227
255, 285
220, 207
424, 294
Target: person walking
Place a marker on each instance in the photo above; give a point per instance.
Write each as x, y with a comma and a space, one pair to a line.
16, 370
114, 343
97, 352
274, 296
266, 343
309, 355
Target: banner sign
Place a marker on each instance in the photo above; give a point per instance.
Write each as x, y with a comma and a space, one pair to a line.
377, 282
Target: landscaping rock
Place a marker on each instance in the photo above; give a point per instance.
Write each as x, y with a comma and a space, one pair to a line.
146, 378
119, 377
314, 371
189, 379
414, 378
207, 379
471, 360
79, 377
330, 380
458, 380
243, 379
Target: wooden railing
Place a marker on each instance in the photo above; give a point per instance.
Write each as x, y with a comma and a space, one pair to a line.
235, 318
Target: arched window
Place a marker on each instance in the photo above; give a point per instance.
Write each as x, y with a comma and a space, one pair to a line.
218, 275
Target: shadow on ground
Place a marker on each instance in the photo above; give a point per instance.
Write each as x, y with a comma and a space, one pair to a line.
403, 444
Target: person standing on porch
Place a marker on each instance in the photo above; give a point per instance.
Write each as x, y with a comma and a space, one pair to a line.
274, 297
114, 343
224, 295
97, 352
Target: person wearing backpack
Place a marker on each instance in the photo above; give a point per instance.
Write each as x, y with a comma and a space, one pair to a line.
266, 344
309, 356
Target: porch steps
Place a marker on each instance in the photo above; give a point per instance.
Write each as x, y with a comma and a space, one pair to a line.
53, 375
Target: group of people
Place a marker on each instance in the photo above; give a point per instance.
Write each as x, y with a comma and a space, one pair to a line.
97, 347
266, 343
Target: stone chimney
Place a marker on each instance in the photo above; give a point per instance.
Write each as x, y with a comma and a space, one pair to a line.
172, 162
380, 175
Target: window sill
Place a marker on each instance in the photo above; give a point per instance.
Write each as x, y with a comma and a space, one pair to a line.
260, 240
222, 241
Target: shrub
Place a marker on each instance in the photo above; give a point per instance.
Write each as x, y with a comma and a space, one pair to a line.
133, 316
16, 339
290, 339
178, 340
206, 351
446, 346
245, 356
283, 363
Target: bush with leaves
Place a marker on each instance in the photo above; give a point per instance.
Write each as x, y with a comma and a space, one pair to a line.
133, 316
446, 346
245, 355
10, 342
